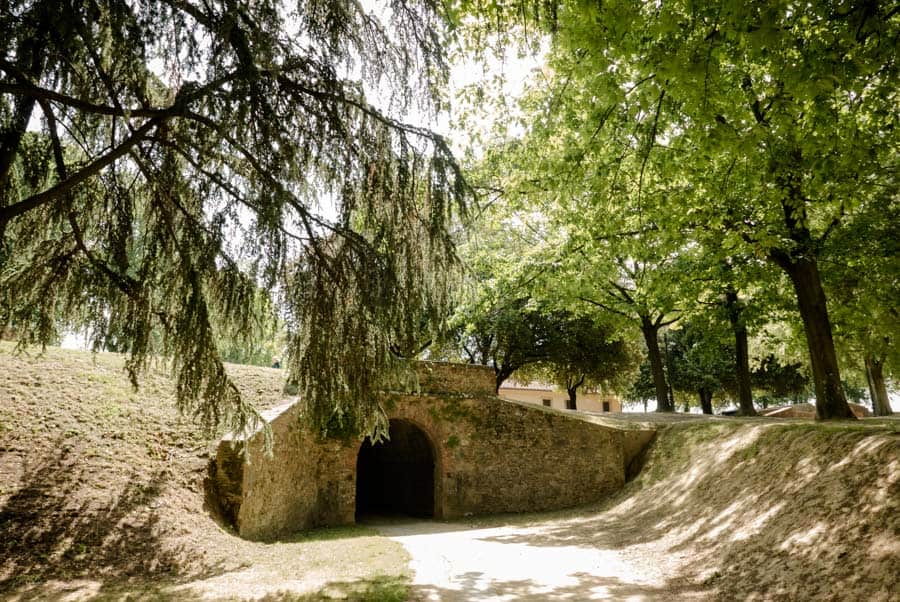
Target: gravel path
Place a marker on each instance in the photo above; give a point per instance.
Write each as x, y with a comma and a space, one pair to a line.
456, 562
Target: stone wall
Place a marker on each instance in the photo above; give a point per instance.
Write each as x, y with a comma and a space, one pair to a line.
490, 456
446, 377
305, 483
498, 456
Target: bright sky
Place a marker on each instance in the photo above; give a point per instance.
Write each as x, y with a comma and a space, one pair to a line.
516, 72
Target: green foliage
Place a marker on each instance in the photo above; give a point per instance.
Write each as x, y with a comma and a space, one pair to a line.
740, 133
262, 343
583, 352
782, 382
641, 389
195, 160
863, 276
700, 356
520, 336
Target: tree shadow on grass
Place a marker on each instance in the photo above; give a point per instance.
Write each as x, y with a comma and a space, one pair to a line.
782, 511
383, 588
476, 587
65, 523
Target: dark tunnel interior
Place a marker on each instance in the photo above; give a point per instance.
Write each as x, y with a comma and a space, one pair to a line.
396, 477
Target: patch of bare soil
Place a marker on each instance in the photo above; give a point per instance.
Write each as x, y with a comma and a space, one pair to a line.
746, 510
102, 497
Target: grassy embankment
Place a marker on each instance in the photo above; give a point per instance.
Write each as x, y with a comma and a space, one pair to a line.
102, 496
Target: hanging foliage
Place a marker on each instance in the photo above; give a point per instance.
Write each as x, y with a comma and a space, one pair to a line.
165, 163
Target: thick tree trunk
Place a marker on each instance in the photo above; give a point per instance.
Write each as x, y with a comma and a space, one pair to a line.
572, 390
881, 404
705, 400
573, 395
830, 400
501, 374
742, 355
800, 263
651, 338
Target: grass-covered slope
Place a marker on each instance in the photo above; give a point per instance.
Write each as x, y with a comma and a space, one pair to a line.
765, 510
102, 494
102, 497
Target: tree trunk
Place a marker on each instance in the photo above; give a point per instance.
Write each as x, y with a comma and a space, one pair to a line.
667, 363
742, 364
705, 400
573, 393
572, 390
501, 373
881, 404
30, 52
650, 332
800, 263
831, 404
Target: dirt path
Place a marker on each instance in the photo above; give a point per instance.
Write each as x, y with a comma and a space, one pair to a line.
522, 561
771, 511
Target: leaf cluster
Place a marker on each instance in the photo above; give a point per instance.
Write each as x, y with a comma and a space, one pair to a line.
167, 166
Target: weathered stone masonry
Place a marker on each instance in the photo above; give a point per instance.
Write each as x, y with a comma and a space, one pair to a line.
490, 456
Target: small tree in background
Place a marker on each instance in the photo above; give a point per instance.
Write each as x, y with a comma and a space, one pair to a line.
585, 354
701, 361
783, 382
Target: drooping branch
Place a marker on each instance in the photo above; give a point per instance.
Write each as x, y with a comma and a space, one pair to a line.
606, 307
90, 170
128, 227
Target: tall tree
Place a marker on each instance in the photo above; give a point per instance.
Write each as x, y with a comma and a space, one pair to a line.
728, 291
604, 246
190, 154
772, 122
650, 307
862, 275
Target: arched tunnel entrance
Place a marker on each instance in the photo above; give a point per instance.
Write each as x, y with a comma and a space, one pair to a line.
397, 476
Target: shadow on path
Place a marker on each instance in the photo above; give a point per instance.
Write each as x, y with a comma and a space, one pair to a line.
475, 587
778, 511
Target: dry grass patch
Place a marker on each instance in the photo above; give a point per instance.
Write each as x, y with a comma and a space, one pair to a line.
102, 496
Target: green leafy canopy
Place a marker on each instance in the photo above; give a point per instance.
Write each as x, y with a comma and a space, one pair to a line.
165, 164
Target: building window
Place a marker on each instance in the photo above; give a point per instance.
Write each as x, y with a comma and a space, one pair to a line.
546, 403
570, 405
605, 406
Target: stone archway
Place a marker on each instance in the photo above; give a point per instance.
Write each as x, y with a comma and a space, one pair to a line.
396, 476
459, 450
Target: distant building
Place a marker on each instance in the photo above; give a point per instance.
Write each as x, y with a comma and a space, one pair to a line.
555, 397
